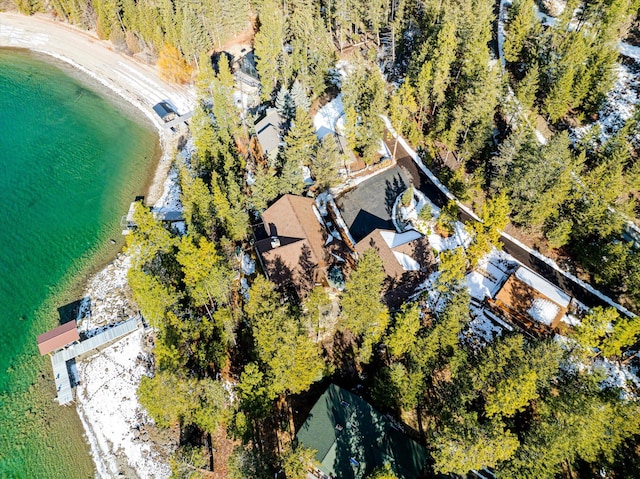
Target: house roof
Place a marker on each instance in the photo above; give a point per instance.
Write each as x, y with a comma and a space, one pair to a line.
352, 438
400, 252
529, 294
268, 131
58, 338
296, 224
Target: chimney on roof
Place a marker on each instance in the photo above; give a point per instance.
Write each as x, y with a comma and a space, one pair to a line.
275, 242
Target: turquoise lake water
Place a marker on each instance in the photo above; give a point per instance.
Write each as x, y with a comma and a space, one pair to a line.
71, 160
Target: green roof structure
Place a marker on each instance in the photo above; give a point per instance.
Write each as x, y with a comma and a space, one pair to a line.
352, 438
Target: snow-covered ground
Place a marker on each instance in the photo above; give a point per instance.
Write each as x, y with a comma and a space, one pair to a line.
106, 297
107, 382
106, 398
620, 106
481, 330
630, 51
113, 419
330, 118
502, 19
619, 376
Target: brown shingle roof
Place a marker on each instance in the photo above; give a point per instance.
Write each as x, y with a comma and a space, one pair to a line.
301, 240
58, 338
518, 296
417, 248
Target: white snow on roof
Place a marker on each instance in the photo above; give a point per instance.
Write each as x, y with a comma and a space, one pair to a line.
327, 117
406, 261
318, 215
479, 286
543, 286
543, 310
394, 239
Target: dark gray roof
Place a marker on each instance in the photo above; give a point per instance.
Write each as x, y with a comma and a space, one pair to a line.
163, 109
268, 131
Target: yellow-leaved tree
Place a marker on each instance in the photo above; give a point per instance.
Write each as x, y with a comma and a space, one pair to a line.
172, 66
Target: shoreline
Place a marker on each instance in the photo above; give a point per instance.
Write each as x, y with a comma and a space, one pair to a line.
137, 84
119, 447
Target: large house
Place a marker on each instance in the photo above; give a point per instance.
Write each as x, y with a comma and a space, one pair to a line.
294, 244
351, 439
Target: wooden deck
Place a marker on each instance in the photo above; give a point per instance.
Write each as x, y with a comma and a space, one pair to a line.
181, 119
60, 358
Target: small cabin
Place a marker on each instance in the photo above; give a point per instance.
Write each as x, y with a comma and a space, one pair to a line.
165, 111
269, 131
531, 302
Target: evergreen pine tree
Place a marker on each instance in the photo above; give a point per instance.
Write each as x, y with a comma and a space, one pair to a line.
326, 163
299, 96
268, 46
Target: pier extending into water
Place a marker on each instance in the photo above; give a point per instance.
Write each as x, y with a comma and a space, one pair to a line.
59, 359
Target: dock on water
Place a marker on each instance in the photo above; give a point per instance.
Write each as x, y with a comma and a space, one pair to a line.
63, 344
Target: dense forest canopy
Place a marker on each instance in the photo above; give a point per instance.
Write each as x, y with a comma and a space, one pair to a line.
234, 353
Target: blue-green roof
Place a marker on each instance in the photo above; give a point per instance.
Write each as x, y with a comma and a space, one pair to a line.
352, 438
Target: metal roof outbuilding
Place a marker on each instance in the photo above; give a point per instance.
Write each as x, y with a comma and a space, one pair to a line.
58, 338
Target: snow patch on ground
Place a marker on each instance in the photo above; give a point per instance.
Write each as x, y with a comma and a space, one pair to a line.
555, 7
326, 120
630, 51
502, 19
545, 19
460, 237
541, 139
170, 199
248, 265
479, 286
618, 375
106, 394
620, 105
571, 320
481, 330
109, 409
106, 296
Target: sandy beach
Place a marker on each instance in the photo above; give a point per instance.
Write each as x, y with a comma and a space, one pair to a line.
135, 82
114, 422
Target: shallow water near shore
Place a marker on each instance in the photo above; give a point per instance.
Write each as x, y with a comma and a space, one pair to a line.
71, 160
